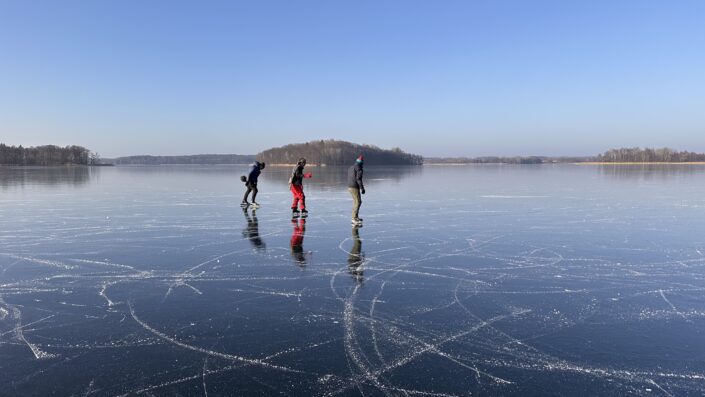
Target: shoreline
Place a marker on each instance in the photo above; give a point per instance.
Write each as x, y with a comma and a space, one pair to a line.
580, 163
57, 165
642, 163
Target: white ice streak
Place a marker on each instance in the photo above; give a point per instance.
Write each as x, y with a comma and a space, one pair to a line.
105, 263
351, 347
272, 293
103, 288
507, 196
671, 305
20, 336
46, 262
226, 356
659, 387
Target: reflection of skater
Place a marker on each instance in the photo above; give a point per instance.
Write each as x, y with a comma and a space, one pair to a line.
356, 258
296, 184
251, 182
252, 230
355, 187
297, 241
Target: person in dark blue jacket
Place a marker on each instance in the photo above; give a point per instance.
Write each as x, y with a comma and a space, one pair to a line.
251, 183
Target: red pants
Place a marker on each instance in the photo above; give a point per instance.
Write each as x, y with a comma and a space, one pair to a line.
299, 197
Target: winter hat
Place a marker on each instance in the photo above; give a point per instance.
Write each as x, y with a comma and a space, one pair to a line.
360, 159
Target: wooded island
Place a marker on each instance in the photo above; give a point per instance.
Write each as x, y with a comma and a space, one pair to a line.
334, 152
47, 155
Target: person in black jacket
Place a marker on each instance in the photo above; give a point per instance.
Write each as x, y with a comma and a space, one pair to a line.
356, 188
251, 183
296, 185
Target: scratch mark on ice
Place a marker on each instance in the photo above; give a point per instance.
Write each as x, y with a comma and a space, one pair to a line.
206, 351
671, 304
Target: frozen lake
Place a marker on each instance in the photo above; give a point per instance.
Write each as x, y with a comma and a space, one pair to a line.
464, 281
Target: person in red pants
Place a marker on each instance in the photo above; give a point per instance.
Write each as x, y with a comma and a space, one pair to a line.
296, 184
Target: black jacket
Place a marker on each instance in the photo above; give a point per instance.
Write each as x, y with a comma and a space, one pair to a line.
355, 176
297, 175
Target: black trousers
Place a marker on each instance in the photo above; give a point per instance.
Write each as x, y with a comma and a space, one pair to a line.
251, 187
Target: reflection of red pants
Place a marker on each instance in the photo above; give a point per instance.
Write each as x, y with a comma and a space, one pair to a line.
297, 237
297, 241
298, 192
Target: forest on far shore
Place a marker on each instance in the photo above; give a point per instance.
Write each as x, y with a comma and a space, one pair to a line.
47, 155
200, 159
622, 155
326, 152
334, 152
647, 155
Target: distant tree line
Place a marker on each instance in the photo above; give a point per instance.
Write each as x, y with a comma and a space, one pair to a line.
46, 155
488, 160
334, 152
623, 155
506, 160
194, 159
647, 155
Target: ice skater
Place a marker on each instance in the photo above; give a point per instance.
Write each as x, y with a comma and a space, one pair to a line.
356, 189
251, 183
296, 184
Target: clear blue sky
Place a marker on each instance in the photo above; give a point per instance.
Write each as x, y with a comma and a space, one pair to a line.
433, 77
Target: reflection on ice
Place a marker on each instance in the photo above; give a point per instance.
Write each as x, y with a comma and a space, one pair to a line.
297, 241
252, 230
46, 176
356, 258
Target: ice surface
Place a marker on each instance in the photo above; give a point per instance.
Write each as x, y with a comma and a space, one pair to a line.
488, 280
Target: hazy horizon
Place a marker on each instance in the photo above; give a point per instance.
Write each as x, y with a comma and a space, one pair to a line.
365, 143
451, 79
519, 154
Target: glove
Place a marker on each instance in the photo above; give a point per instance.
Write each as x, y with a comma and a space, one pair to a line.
308, 175
362, 191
